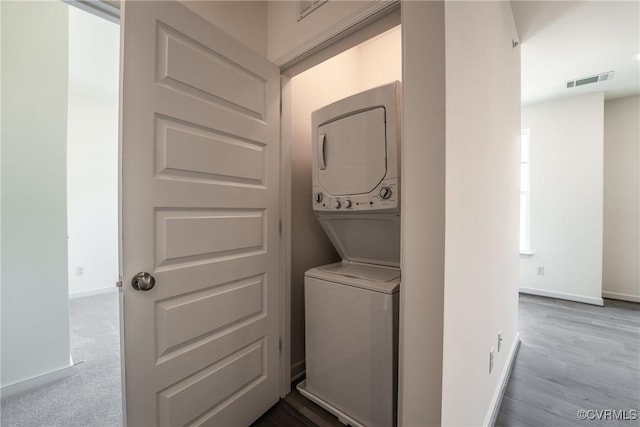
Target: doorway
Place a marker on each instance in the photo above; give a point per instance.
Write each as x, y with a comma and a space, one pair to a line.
60, 322
352, 71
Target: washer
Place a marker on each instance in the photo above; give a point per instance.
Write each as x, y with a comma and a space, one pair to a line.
351, 342
351, 308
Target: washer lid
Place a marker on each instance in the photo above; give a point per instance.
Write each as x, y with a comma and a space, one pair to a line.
371, 277
364, 237
352, 153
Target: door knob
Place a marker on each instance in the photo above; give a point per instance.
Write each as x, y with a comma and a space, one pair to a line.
143, 281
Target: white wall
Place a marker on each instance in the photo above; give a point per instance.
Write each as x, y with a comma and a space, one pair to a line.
380, 60
422, 235
1, 134
310, 247
339, 77
566, 198
244, 20
35, 305
92, 153
621, 260
482, 206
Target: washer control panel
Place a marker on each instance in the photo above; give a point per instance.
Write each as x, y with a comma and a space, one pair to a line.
384, 196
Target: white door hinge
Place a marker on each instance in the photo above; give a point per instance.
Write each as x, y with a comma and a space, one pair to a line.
119, 284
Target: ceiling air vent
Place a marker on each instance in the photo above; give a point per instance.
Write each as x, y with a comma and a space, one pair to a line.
591, 79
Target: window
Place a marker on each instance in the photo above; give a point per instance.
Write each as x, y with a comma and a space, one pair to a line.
525, 190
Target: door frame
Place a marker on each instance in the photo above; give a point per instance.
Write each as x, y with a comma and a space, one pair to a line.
110, 10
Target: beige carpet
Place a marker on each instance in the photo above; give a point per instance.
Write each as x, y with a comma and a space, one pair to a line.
92, 396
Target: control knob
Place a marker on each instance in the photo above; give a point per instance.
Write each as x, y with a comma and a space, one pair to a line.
318, 197
385, 193
338, 204
347, 204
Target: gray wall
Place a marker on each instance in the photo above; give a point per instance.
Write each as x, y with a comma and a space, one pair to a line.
566, 198
482, 206
423, 214
35, 304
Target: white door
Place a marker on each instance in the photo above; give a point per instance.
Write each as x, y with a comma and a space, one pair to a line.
200, 160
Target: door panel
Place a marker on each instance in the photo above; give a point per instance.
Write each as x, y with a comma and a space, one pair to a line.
195, 153
200, 212
236, 86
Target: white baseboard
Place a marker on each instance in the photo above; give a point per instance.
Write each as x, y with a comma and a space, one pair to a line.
562, 295
297, 370
92, 292
35, 382
496, 400
622, 297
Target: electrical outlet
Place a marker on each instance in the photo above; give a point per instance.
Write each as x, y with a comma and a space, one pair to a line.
491, 360
540, 270
79, 271
499, 340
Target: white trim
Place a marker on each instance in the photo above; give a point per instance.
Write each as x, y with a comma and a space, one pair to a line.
562, 295
107, 9
37, 381
377, 26
314, 5
496, 400
123, 370
621, 297
525, 249
298, 370
123, 376
93, 292
285, 235
350, 23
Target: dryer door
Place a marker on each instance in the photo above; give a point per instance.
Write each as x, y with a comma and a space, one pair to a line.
352, 153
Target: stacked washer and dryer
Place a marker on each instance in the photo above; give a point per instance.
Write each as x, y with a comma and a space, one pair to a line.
351, 307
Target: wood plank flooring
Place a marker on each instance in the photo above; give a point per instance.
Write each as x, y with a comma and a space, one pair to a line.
573, 356
296, 410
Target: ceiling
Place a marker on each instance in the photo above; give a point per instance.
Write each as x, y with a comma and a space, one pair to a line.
567, 40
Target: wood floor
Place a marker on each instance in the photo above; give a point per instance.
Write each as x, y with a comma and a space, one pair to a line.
296, 410
573, 356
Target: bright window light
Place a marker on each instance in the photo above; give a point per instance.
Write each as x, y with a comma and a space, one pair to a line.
525, 189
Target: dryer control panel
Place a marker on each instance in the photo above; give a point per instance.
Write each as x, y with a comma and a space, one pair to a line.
386, 196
